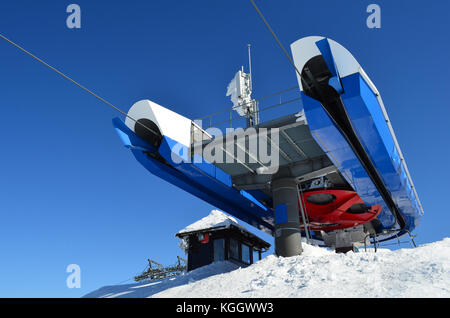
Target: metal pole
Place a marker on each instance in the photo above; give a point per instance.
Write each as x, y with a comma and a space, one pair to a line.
412, 238
250, 67
365, 242
305, 225
288, 238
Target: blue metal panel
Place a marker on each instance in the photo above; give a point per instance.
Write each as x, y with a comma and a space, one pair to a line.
131, 140
371, 129
261, 196
340, 153
281, 214
172, 150
201, 181
206, 167
223, 177
324, 48
370, 125
253, 199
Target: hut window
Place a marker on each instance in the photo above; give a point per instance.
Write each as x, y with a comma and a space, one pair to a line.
219, 250
234, 249
256, 256
245, 254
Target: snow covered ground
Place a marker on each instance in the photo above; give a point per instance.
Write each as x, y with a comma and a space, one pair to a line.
420, 272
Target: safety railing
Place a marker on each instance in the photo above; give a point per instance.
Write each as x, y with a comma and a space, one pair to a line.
285, 102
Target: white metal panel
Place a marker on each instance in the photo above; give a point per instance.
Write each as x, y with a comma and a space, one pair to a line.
170, 124
305, 49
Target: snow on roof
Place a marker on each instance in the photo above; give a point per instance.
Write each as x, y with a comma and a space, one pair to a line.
215, 219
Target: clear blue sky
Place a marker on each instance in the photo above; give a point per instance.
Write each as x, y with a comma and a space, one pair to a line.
71, 193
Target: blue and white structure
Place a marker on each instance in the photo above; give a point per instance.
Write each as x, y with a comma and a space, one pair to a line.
340, 179
347, 118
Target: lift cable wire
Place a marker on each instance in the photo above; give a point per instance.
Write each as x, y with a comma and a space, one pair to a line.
76, 83
275, 37
298, 72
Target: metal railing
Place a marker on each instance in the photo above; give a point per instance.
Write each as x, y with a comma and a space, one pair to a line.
229, 118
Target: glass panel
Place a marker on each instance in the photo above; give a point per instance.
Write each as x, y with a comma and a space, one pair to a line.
219, 250
245, 254
255, 256
234, 249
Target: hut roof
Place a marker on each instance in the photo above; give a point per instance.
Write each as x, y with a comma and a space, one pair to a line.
215, 220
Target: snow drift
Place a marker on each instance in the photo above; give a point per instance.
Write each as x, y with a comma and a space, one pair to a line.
420, 272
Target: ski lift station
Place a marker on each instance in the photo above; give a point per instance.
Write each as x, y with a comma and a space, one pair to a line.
321, 162
219, 237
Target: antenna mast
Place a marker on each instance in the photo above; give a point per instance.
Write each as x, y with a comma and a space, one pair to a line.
253, 110
250, 67
240, 90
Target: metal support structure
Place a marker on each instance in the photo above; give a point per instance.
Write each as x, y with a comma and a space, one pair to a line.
365, 242
252, 116
250, 67
280, 151
293, 144
412, 238
287, 229
160, 271
304, 216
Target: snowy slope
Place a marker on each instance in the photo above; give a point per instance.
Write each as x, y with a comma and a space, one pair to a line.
419, 272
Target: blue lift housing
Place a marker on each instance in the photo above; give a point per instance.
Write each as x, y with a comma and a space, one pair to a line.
344, 131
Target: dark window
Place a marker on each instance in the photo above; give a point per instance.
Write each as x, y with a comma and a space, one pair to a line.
219, 250
234, 249
255, 256
245, 254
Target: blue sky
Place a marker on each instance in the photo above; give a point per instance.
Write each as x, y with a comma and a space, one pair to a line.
71, 193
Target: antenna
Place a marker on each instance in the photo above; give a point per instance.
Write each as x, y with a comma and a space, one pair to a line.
240, 90
250, 67
253, 114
